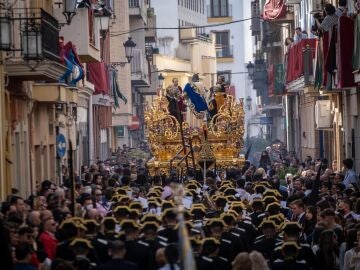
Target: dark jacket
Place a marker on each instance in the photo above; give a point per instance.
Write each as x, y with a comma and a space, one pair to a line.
116, 264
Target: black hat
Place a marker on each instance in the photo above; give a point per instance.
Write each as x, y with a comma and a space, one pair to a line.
290, 250
167, 204
210, 241
169, 213
269, 199
292, 228
215, 222
267, 223
150, 225
129, 224
122, 210
136, 205
150, 218
273, 207
229, 217
81, 243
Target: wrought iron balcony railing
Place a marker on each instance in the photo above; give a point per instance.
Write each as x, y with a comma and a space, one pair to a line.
34, 34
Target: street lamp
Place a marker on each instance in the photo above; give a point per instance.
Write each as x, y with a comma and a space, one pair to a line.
251, 68
129, 52
129, 49
69, 10
149, 53
161, 79
104, 18
248, 103
5, 33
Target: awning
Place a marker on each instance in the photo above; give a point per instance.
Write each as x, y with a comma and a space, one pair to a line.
135, 123
274, 9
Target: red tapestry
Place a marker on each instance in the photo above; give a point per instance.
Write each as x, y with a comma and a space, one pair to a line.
98, 75
295, 65
345, 48
274, 9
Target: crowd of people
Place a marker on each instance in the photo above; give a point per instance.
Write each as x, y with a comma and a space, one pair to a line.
118, 217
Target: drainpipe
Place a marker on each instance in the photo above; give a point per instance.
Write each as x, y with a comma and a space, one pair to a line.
90, 131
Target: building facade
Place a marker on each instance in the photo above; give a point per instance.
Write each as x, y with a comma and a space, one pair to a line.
58, 90
320, 105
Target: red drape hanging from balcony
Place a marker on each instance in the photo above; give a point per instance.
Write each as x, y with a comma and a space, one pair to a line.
274, 9
98, 75
345, 44
295, 65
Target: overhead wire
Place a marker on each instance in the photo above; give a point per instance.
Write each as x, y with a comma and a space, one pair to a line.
114, 34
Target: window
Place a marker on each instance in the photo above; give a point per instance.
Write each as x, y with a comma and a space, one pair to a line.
223, 48
219, 8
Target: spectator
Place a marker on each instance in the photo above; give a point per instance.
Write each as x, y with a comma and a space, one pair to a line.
299, 35
117, 252
23, 255
342, 8
327, 257
352, 255
330, 19
350, 177
249, 261
48, 239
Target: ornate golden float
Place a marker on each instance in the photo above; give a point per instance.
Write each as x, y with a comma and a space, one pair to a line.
217, 143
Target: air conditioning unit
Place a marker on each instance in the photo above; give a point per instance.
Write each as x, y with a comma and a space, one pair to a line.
323, 114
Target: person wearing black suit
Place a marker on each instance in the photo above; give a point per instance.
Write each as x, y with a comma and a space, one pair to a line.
117, 251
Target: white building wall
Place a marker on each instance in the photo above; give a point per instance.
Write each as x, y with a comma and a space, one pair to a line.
191, 16
167, 16
170, 14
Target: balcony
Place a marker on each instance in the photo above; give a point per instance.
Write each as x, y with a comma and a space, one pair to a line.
191, 35
84, 32
216, 15
150, 34
54, 93
300, 66
41, 61
138, 9
139, 70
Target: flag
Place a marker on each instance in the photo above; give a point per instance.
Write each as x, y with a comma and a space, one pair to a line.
116, 90
186, 255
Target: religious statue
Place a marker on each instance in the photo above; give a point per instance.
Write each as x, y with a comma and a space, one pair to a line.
194, 93
217, 96
175, 98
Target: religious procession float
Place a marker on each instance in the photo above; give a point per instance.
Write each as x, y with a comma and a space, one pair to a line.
194, 128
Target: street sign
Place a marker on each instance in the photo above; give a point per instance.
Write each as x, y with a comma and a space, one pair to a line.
60, 145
